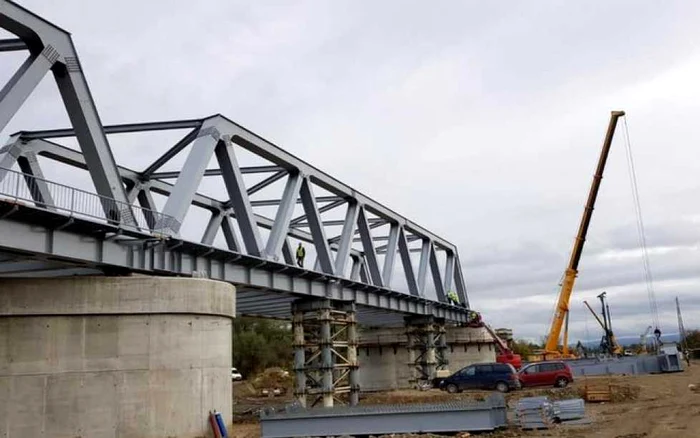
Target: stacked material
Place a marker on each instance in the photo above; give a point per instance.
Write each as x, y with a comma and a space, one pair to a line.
540, 413
534, 413
567, 410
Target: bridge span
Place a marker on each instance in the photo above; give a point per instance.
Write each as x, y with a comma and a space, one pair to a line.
110, 279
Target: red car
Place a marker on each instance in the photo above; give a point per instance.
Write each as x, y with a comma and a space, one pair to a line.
546, 374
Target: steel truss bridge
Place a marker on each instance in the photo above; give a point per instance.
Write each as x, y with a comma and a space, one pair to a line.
52, 229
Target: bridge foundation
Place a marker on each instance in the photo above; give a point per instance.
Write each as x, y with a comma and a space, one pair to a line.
114, 356
400, 357
325, 352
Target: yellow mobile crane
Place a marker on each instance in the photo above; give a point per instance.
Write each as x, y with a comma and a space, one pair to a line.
551, 349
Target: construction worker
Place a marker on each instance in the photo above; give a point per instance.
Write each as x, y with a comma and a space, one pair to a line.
301, 253
452, 296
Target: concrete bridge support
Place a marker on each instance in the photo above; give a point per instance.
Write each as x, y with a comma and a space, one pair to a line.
325, 352
114, 356
400, 357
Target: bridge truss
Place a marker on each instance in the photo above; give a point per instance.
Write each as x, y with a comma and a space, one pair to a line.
362, 251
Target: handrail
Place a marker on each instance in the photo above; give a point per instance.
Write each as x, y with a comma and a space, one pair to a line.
60, 198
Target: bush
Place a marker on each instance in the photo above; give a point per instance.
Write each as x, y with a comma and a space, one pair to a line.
261, 343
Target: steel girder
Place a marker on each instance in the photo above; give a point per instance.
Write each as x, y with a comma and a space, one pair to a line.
50, 48
32, 234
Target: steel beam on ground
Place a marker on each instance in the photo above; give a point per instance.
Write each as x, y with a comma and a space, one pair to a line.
455, 416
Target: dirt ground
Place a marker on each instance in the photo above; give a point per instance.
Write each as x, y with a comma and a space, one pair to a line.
650, 406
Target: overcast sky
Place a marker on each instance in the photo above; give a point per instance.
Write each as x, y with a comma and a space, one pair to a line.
481, 121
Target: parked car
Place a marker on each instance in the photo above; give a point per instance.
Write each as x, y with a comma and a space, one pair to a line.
499, 376
546, 374
235, 375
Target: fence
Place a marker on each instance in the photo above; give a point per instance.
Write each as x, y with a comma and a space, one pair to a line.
22, 188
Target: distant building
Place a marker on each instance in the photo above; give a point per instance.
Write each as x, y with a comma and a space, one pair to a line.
505, 333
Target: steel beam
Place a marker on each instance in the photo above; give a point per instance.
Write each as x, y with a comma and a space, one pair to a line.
146, 202
12, 45
274, 202
213, 226
235, 186
407, 264
115, 129
345, 243
321, 209
459, 282
229, 234
392, 244
435, 271
449, 270
266, 182
316, 227
288, 253
217, 172
368, 245
34, 177
23, 82
170, 153
179, 201
423, 265
284, 214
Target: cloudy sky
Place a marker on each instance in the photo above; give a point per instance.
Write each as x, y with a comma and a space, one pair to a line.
482, 121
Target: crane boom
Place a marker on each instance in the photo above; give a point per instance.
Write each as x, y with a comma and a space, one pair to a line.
572, 269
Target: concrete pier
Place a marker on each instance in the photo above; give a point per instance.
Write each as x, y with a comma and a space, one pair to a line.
385, 355
114, 356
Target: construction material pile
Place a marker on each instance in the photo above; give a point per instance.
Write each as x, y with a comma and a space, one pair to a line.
541, 413
534, 413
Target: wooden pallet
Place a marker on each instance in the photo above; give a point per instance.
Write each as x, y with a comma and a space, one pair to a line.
597, 390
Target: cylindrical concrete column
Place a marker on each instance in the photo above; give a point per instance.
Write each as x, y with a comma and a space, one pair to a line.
114, 356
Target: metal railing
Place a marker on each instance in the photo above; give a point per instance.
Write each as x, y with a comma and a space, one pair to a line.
22, 188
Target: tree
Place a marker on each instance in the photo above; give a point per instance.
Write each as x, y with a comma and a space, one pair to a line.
261, 343
523, 347
693, 338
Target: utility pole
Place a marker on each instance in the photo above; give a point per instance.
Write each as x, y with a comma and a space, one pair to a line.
681, 333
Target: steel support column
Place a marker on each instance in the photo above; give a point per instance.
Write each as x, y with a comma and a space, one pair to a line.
426, 348
325, 352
